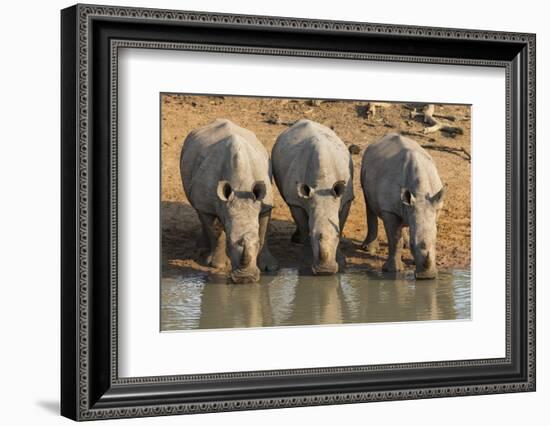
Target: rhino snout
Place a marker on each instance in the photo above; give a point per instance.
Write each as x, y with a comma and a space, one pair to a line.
426, 275
426, 268
244, 276
324, 261
327, 268
244, 254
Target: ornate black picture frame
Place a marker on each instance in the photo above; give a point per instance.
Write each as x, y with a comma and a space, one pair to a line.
91, 36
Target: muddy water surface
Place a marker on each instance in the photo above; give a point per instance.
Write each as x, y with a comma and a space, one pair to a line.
204, 301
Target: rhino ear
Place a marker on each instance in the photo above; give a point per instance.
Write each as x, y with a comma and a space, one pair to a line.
225, 192
438, 198
259, 190
304, 190
339, 188
407, 197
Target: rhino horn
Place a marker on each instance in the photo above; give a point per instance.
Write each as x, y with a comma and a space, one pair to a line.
427, 262
246, 258
323, 253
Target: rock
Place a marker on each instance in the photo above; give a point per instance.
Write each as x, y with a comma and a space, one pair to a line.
354, 149
314, 102
273, 119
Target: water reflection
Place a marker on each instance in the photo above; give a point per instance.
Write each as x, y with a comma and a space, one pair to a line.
202, 301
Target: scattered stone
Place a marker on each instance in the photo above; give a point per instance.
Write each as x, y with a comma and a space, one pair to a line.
372, 108
452, 131
273, 119
354, 149
314, 102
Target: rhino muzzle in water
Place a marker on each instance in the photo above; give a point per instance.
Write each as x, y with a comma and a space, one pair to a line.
243, 260
226, 177
314, 173
326, 255
401, 185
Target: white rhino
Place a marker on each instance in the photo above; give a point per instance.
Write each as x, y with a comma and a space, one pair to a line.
314, 173
401, 185
226, 176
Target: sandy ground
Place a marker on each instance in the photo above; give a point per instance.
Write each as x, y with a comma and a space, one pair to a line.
267, 118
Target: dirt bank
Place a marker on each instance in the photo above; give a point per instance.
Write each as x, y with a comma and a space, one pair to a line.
267, 118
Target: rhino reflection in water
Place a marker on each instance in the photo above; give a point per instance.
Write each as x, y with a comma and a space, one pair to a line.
290, 299
394, 300
226, 176
314, 173
401, 185
282, 300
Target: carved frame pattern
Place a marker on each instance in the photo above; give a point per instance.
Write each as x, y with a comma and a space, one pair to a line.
85, 13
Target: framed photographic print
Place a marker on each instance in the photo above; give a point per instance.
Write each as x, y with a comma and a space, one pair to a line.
263, 212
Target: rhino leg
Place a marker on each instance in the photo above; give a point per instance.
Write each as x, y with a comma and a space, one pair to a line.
266, 261
203, 242
394, 227
406, 238
301, 234
342, 216
216, 256
371, 242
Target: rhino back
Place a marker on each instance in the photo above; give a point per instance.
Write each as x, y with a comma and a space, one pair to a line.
222, 151
392, 163
310, 153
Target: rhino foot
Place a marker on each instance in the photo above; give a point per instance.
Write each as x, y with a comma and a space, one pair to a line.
371, 248
341, 260
393, 265
266, 262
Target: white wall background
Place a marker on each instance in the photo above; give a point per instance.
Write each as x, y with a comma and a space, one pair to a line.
29, 211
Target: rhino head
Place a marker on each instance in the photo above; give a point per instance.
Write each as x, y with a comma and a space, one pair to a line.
239, 212
421, 213
323, 207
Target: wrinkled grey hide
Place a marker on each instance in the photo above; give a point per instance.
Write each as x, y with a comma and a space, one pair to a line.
226, 176
314, 173
402, 187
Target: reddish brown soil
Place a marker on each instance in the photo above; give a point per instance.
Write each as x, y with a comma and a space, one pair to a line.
267, 118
